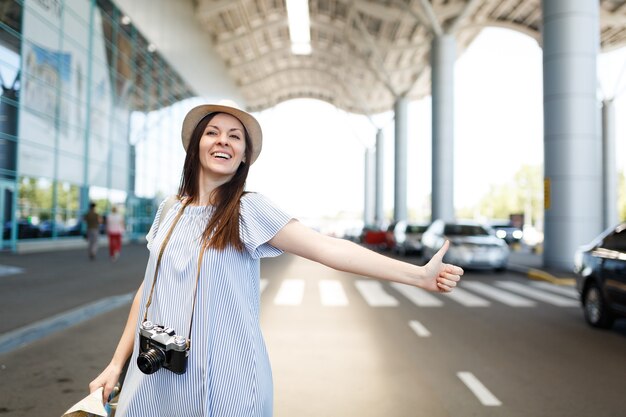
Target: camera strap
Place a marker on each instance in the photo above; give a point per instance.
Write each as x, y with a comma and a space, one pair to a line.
158, 263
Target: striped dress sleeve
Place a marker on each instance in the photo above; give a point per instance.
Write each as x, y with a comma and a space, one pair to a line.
259, 222
155, 225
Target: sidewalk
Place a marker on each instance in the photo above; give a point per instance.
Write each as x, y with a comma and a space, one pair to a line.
530, 264
41, 293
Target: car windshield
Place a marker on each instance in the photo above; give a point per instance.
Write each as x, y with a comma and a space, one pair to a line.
415, 229
464, 230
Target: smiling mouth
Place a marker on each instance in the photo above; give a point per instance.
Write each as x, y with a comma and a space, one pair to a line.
221, 155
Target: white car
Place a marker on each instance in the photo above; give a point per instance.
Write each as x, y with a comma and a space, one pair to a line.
472, 245
407, 237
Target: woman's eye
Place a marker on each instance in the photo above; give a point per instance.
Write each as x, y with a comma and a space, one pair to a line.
235, 137
211, 133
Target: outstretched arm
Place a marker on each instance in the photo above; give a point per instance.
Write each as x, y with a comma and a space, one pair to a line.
347, 256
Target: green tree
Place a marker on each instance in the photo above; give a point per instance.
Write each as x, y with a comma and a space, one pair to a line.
524, 194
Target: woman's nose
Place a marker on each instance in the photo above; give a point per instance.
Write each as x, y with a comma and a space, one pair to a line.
222, 139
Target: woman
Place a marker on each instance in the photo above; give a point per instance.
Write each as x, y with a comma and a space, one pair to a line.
204, 264
115, 230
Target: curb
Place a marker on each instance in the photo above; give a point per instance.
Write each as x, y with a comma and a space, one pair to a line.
539, 275
25, 335
546, 276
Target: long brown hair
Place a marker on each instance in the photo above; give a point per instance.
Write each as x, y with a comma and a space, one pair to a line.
222, 230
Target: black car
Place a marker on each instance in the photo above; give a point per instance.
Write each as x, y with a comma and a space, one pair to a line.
601, 277
510, 233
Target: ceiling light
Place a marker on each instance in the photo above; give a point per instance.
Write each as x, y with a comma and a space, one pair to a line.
299, 26
125, 20
152, 47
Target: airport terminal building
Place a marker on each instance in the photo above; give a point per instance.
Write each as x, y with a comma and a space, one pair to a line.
87, 110
94, 92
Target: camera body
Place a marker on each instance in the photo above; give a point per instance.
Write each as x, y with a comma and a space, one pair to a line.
159, 346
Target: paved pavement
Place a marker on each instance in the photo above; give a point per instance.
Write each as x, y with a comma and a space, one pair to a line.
55, 304
45, 292
529, 263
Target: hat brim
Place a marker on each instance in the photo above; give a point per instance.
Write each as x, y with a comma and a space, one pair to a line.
253, 128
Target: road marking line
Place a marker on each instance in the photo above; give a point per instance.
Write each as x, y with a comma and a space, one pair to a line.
374, 294
332, 293
538, 294
290, 293
559, 289
6, 270
467, 298
263, 285
480, 391
419, 328
498, 295
417, 296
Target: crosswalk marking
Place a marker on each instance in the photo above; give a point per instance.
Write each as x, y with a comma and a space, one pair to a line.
537, 294
290, 292
332, 293
417, 296
480, 391
559, 289
374, 294
419, 328
498, 295
467, 298
511, 293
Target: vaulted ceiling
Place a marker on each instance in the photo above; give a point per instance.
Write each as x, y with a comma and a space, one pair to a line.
365, 52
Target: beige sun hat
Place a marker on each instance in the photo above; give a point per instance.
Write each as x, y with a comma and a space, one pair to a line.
252, 126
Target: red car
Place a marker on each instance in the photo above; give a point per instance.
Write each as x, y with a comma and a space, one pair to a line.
372, 236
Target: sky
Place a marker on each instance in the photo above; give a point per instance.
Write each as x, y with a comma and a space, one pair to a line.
312, 162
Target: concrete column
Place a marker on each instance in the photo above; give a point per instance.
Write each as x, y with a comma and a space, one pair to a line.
572, 144
379, 215
609, 173
368, 192
443, 55
400, 182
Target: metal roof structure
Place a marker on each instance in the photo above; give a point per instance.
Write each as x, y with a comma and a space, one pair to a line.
366, 53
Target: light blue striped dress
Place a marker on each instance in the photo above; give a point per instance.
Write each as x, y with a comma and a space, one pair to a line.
228, 371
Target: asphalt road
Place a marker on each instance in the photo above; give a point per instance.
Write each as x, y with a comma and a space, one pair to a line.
345, 346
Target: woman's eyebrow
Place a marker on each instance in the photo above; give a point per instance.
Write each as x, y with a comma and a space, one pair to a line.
230, 130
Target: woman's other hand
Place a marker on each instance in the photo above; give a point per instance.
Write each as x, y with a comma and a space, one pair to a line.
107, 379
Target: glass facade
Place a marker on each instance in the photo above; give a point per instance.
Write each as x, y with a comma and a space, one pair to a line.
87, 113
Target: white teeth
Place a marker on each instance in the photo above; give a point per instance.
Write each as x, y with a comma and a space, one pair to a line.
221, 155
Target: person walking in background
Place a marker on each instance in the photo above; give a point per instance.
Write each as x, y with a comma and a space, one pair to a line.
115, 230
93, 220
193, 331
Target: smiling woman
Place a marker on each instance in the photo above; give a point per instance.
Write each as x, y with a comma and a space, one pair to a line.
204, 290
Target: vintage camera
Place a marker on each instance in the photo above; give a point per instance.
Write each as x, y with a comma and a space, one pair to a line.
159, 346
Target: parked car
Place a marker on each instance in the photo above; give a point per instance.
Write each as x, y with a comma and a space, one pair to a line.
25, 230
390, 238
374, 237
472, 245
408, 237
600, 270
510, 233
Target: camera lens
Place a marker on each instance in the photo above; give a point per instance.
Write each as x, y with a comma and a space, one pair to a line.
151, 360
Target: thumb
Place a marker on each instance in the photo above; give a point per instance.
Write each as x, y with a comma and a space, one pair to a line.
442, 251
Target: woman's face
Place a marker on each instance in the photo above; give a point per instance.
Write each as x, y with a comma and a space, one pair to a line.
222, 147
